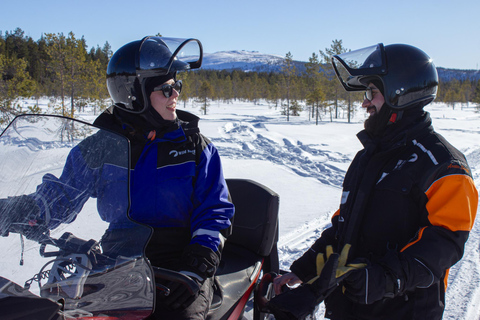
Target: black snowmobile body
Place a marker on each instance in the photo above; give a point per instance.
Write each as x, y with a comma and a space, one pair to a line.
65, 271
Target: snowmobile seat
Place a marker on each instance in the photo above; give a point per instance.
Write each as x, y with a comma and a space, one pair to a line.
251, 248
255, 225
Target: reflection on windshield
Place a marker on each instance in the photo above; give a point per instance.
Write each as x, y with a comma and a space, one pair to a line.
159, 52
64, 219
369, 57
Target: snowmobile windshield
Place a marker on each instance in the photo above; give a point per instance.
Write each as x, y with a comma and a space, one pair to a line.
159, 55
352, 68
65, 231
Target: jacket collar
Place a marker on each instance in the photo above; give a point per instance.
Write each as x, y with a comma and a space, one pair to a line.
136, 128
397, 134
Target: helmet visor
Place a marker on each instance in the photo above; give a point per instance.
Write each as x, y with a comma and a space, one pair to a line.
351, 67
165, 55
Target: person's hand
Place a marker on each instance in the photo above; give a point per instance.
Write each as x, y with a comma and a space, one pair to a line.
298, 303
5, 218
21, 215
198, 264
371, 284
289, 279
181, 295
200, 260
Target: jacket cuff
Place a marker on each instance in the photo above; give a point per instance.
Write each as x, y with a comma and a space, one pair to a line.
200, 260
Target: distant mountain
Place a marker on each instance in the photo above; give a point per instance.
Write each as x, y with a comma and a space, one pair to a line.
248, 61
254, 61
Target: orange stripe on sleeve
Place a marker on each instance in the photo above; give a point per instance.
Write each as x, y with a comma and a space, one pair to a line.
419, 236
445, 280
452, 202
337, 213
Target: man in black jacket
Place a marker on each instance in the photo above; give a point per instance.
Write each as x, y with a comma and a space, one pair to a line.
407, 207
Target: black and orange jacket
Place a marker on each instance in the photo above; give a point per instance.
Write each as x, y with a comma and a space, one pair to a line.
411, 192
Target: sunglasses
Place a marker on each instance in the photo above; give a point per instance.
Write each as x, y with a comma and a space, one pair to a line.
369, 94
167, 89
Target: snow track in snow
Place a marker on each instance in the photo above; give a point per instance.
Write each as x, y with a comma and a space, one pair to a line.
294, 244
244, 140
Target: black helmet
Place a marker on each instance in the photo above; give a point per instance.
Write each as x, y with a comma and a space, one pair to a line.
134, 63
408, 75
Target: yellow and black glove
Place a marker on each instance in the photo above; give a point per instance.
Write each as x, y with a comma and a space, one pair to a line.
332, 268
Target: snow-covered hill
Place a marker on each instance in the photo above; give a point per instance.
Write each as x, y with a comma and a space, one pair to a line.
242, 60
247, 61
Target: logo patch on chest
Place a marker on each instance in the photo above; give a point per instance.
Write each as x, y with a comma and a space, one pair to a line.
176, 153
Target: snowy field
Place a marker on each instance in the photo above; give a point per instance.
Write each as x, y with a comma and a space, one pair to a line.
305, 164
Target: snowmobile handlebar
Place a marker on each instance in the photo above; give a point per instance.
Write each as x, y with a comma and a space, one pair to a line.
166, 275
68, 243
265, 292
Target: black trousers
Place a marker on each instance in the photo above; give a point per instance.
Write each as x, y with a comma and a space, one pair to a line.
198, 310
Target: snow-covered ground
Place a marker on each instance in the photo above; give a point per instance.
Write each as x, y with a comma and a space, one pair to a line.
305, 164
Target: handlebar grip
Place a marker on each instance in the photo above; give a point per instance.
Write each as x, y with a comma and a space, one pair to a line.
264, 291
174, 276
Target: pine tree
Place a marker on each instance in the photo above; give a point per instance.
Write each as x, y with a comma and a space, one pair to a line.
205, 94
289, 72
316, 98
476, 98
186, 91
313, 83
228, 89
15, 83
334, 86
69, 66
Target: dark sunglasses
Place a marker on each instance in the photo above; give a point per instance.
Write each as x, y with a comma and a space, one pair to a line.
369, 93
167, 89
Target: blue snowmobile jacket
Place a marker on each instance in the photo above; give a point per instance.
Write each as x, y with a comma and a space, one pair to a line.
177, 187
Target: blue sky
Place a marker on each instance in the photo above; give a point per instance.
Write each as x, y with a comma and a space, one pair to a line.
447, 30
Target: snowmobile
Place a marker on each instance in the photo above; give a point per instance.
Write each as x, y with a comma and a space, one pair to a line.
65, 269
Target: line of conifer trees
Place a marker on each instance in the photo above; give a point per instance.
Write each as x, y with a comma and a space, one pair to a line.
56, 66
62, 68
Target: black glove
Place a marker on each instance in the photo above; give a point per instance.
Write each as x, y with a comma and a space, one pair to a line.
200, 260
180, 295
198, 263
390, 277
384, 279
294, 304
21, 215
300, 302
369, 285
